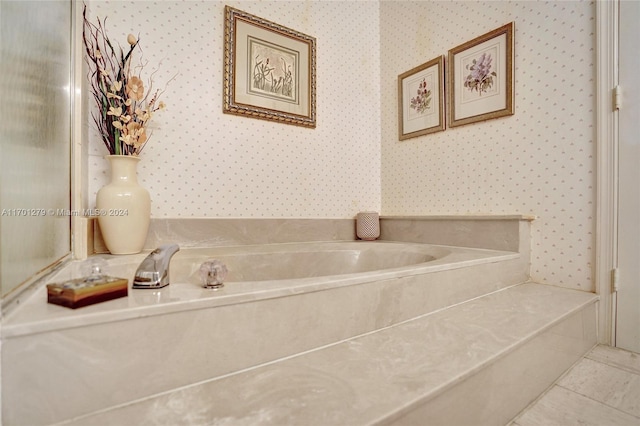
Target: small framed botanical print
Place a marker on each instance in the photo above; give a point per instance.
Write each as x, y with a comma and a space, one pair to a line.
421, 100
480, 78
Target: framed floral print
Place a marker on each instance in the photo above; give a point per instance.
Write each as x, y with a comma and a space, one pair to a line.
270, 70
480, 78
421, 100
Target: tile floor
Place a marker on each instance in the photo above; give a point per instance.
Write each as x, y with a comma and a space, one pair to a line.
602, 389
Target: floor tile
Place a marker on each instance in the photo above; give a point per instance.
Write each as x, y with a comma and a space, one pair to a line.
562, 407
629, 361
610, 385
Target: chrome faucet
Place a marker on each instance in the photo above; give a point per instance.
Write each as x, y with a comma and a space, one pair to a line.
153, 272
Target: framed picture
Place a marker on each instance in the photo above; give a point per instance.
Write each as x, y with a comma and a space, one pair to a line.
270, 70
480, 74
421, 100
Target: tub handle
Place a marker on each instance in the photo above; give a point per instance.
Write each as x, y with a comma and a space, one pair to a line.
212, 273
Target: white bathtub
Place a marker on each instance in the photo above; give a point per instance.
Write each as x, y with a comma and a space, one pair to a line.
279, 300
303, 260
275, 270
256, 272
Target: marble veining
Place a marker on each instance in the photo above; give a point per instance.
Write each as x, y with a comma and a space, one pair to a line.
161, 350
368, 378
185, 292
156, 341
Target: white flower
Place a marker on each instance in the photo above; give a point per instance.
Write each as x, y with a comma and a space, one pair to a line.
135, 88
128, 139
138, 131
115, 111
116, 86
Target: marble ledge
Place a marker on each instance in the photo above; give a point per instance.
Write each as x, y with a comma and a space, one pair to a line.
495, 232
216, 231
528, 218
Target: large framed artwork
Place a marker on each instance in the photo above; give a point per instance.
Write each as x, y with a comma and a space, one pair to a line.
480, 78
270, 70
421, 100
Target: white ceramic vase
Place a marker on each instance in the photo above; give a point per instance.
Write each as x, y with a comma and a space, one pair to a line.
124, 207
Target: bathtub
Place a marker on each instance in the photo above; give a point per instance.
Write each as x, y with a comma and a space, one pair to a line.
256, 272
276, 270
303, 260
278, 300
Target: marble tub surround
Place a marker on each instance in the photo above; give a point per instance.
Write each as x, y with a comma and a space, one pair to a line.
496, 232
506, 232
213, 232
272, 271
479, 362
154, 341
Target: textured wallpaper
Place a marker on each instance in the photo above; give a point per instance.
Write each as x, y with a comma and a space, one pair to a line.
540, 161
203, 163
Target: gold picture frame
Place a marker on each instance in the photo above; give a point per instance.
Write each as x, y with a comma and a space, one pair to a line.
270, 70
481, 78
421, 100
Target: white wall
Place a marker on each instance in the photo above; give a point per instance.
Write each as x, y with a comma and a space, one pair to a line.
539, 161
203, 163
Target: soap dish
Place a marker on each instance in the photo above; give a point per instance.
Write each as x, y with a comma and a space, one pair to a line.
86, 291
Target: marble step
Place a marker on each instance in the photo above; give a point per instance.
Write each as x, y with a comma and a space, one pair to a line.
479, 362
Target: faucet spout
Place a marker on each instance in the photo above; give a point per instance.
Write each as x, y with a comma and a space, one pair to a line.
153, 272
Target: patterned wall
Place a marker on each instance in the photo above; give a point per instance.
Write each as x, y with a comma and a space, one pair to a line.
203, 163
540, 161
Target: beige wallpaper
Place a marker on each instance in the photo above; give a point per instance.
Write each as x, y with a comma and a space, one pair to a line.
539, 161
203, 163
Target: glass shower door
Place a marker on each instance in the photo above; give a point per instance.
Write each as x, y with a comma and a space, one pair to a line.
35, 133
